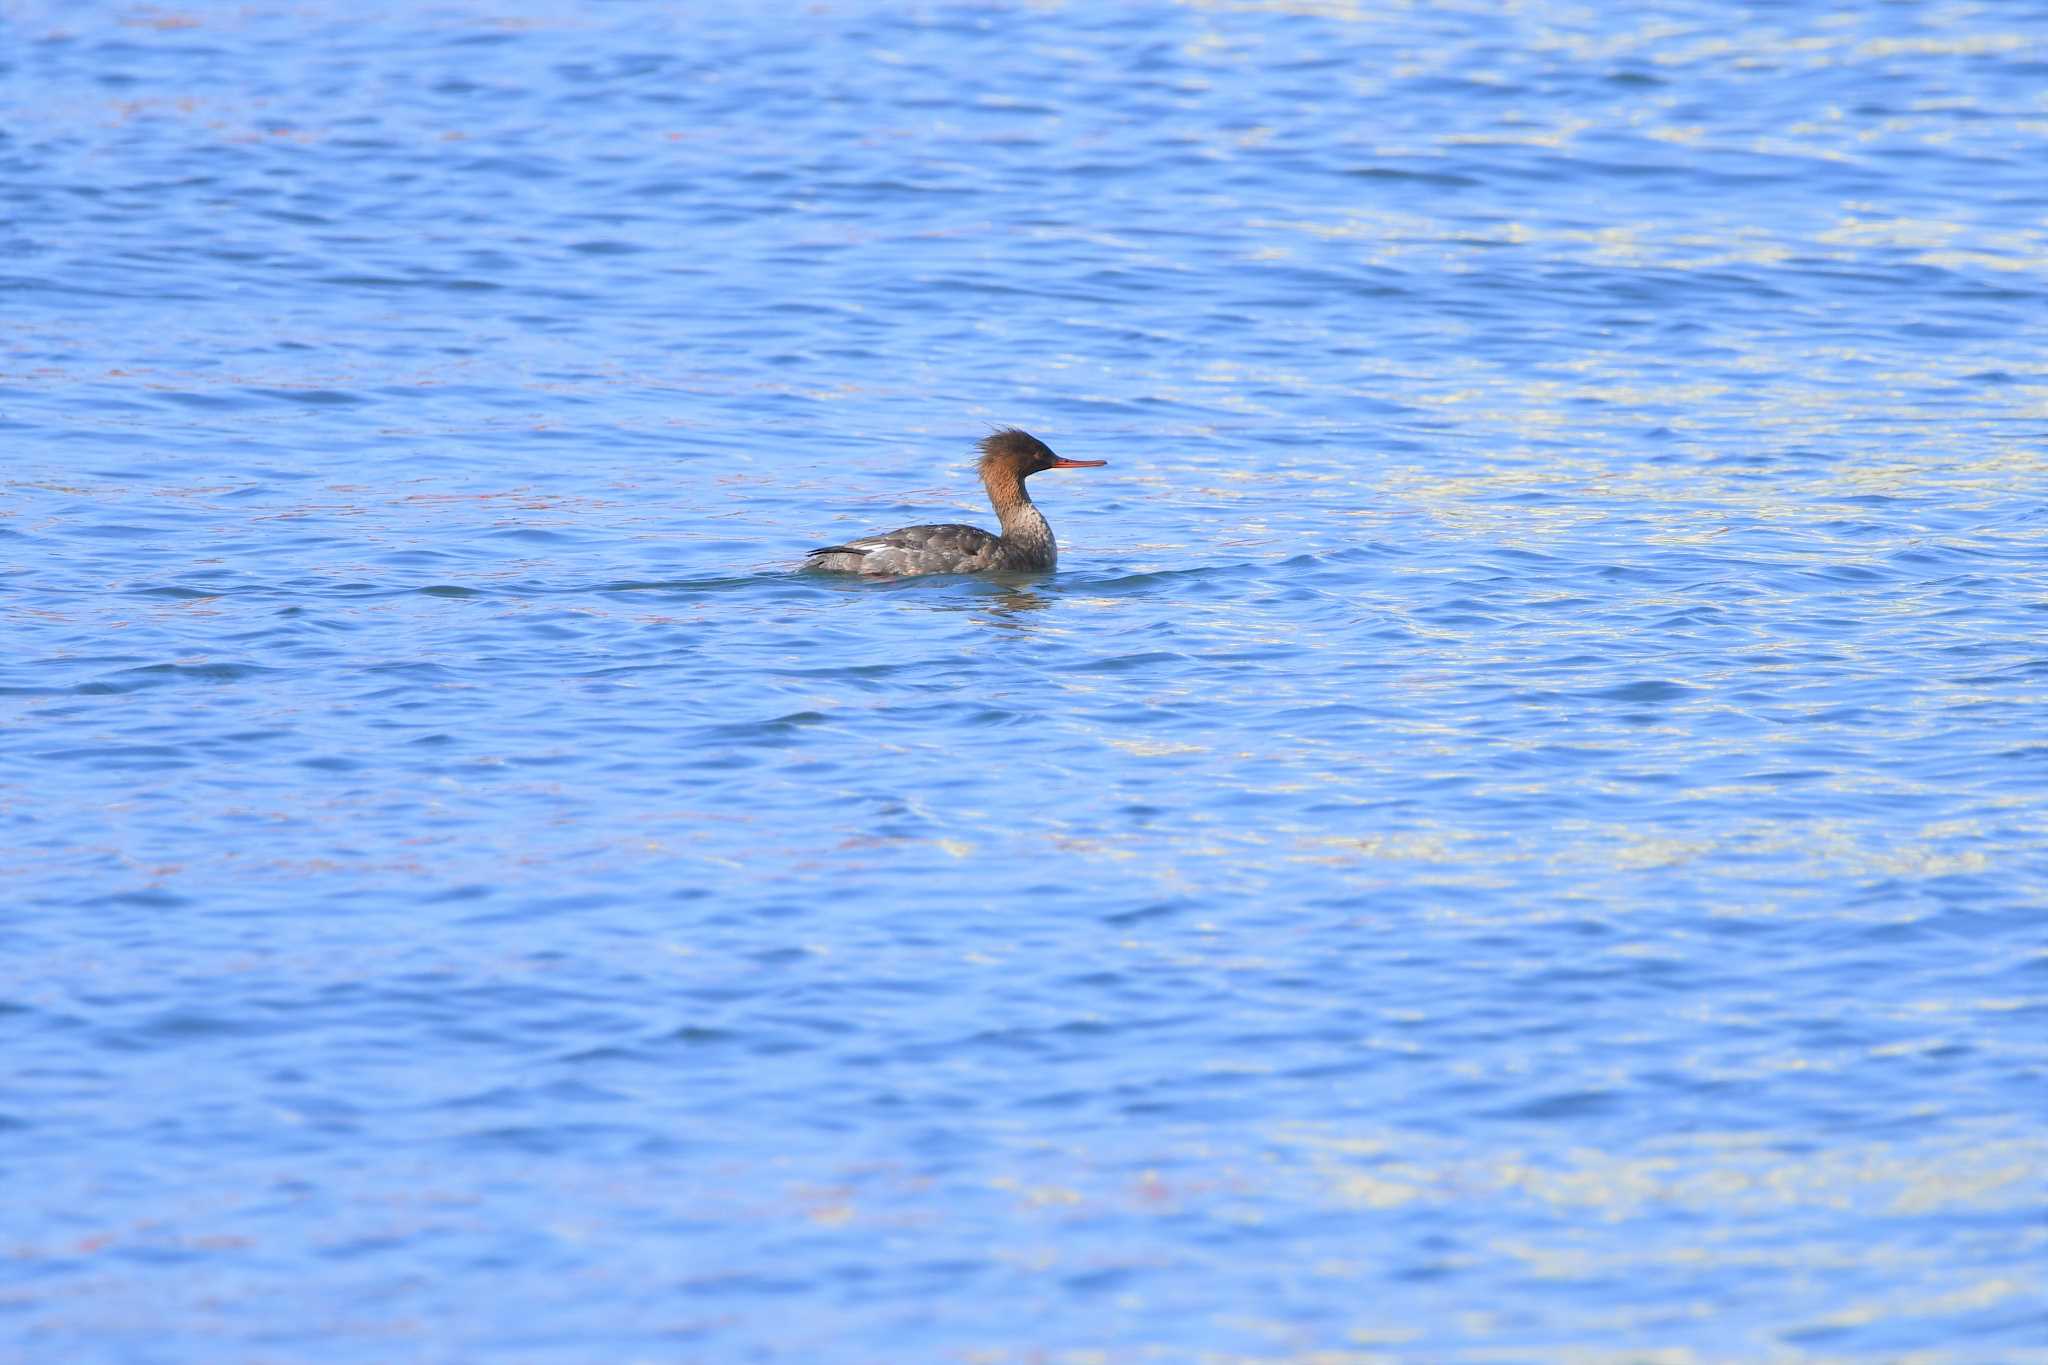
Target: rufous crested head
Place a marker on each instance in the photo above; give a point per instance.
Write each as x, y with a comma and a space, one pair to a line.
1021, 454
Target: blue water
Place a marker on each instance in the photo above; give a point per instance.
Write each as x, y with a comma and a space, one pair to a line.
1518, 832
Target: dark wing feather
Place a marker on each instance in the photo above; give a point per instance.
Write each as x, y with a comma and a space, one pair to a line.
948, 548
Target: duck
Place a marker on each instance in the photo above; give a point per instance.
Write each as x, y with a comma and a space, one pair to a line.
1008, 457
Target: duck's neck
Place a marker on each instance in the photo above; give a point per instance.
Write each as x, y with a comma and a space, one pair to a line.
1024, 526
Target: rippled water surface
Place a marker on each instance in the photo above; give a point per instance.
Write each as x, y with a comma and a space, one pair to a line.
1517, 831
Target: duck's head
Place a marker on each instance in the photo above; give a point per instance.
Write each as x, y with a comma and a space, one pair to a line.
1019, 454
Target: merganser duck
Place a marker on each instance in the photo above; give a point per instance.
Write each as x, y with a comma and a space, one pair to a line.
1007, 459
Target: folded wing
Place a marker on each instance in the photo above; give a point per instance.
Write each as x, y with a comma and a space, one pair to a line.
912, 550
